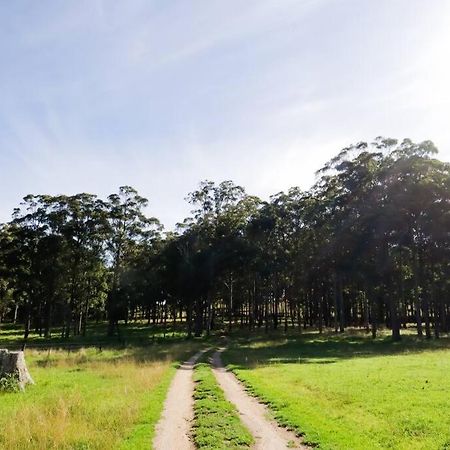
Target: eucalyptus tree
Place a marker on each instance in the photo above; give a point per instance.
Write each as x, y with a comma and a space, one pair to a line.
22, 255
381, 203
368, 245
128, 228
6, 293
213, 246
83, 225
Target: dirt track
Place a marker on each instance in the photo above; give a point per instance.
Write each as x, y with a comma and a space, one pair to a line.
254, 415
173, 429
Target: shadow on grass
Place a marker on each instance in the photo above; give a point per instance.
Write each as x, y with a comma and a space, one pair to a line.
135, 334
328, 348
173, 352
138, 343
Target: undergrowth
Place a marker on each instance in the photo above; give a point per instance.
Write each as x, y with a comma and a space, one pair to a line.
9, 383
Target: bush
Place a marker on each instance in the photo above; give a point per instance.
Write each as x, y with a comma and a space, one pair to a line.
9, 383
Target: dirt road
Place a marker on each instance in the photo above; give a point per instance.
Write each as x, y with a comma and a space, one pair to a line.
267, 433
173, 429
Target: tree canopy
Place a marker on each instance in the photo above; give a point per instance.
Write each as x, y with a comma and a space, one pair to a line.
367, 246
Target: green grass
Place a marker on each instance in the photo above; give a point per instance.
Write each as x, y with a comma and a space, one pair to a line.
341, 392
350, 392
217, 425
91, 399
143, 432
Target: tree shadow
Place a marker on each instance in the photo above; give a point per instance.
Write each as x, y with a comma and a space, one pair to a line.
173, 352
312, 348
132, 334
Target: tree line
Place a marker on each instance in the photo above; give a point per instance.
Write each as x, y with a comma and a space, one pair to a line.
367, 246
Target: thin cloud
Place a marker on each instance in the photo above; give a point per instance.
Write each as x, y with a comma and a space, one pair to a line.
161, 95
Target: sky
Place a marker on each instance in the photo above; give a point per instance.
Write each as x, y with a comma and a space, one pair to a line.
161, 94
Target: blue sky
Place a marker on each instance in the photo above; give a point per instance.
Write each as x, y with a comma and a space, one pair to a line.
162, 94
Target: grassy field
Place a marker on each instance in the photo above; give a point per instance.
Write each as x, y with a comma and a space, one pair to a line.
217, 424
340, 392
90, 398
349, 392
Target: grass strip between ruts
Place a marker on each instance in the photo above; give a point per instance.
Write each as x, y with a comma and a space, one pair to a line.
217, 424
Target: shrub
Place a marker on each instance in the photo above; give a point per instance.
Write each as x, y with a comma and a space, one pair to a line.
9, 383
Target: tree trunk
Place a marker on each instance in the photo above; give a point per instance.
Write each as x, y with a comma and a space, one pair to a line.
417, 295
336, 321
27, 322
373, 313
340, 302
189, 319
198, 323
366, 311
230, 305
393, 311
285, 313
13, 363
16, 311
321, 301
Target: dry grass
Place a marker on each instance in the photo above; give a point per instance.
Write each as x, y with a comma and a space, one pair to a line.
85, 399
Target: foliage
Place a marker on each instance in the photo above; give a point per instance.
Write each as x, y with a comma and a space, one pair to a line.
368, 245
9, 383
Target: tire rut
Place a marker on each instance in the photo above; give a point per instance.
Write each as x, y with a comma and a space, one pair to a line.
267, 433
173, 431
